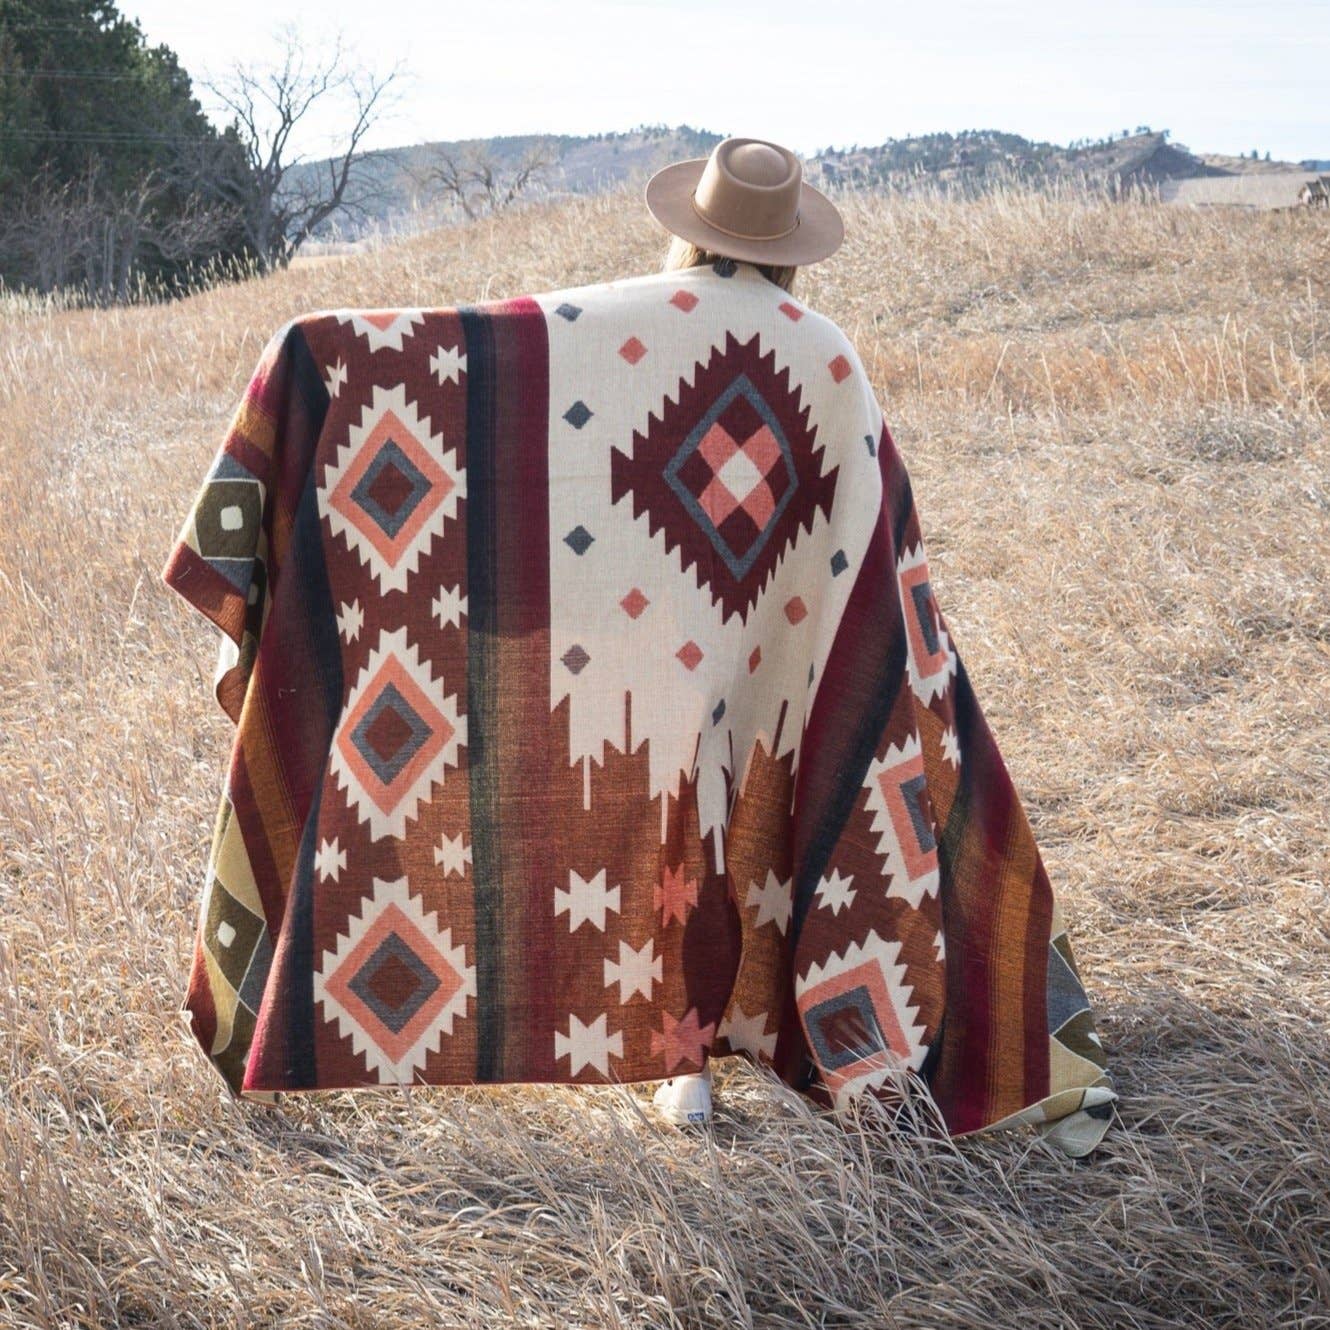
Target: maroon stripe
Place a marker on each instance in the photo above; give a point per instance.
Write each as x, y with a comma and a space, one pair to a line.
1038, 931
962, 1084
525, 750
217, 597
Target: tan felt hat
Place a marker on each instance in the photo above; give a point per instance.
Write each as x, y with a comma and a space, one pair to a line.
748, 200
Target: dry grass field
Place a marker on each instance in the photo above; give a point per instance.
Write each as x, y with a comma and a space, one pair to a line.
1115, 419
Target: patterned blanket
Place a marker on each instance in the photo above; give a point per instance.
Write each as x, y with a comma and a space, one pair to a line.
595, 716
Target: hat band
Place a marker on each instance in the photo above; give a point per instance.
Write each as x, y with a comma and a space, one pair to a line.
740, 235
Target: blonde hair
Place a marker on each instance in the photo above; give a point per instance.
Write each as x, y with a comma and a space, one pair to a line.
684, 254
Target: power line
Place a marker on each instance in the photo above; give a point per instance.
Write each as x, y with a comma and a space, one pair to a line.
104, 136
98, 74
63, 25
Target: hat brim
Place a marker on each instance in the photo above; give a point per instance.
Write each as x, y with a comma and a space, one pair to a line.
669, 199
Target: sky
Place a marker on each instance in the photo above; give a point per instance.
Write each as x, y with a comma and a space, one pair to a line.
1221, 76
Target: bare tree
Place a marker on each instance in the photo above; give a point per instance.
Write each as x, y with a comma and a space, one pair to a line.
79, 232
279, 210
476, 182
47, 225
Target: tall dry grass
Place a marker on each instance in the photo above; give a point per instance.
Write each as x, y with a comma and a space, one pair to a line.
1115, 422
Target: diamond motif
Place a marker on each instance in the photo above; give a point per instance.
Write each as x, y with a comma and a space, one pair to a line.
860, 1021
839, 367
729, 473
746, 474
567, 311
391, 489
575, 658
930, 659
226, 522
903, 820
685, 300
579, 539
395, 983
634, 603
690, 653
578, 414
632, 350
397, 735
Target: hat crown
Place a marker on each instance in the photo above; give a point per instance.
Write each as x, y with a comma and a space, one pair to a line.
757, 163
750, 188
748, 200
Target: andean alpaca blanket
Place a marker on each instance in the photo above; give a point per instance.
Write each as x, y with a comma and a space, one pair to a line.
595, 715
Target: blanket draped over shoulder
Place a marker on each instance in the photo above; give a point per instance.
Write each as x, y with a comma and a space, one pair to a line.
595, 716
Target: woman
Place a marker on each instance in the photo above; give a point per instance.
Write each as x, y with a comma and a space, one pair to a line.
748, 201
747, 186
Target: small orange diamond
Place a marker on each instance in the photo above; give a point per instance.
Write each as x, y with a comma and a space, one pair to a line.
795, 609
632, 350
839, 368
790, 311
634, 603
685, 300
754, 657
690, 653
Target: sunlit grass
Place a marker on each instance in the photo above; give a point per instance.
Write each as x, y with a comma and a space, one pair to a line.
1114, 417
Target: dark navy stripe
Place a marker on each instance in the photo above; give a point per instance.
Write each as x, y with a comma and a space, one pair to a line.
305, 565
483, 641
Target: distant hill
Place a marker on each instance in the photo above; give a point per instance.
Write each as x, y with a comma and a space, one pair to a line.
970, 161
974, 158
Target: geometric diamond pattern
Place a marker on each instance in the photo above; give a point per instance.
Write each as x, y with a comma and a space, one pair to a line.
579, 538
398, 733
235, 943
395, 983
857, 1013
729, 472
578, 414
903, 820
719, 459
226, 519
839, 367
753, 473
931, 661
391, 488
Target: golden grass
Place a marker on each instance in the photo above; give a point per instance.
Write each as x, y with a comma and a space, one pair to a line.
1115, 422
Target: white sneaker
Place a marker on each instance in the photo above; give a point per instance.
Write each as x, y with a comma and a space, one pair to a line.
685, 1100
